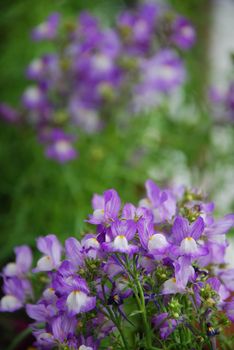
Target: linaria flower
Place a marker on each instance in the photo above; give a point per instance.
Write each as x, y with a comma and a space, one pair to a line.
184, 35
48, 29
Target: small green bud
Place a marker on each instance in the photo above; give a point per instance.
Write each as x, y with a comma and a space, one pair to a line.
97, 153
125, 32
175, 315
65, 64
174, 308
106, 91
210, 302
70, 26
61, 117
200, 339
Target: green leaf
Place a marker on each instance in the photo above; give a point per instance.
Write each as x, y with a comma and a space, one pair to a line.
136, 312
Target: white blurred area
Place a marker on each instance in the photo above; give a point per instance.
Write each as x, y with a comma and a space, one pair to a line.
221, 46
221, 40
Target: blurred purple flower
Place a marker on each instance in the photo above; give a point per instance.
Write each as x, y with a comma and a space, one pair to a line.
48, 29
183, 33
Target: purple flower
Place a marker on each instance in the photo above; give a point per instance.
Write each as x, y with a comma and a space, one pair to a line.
74, 251
91, 246
22, 264
215, 95
73, 290
216, 240
121, 233
78, 300
154, 242
165, 324
61, 150
60, 146
183, 271
227, 278
163, 72
171, 287
229, 100
35, 69
183, 33
48, 29
162, 203
51, 248
186, 235
112, 267
223, 102
221, 290
136, 215
8, 113
63, 326
16, 291
220, 227
33, 98
137, 29
84, 116
16, 286
106, 210
229, 309
58, 327
40, 312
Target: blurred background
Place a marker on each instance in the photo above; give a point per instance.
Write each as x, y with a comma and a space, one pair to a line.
181, 142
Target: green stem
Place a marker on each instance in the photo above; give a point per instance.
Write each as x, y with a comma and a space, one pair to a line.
118, 325
115, 320
144, 315
141, 303
19, 338
140, 298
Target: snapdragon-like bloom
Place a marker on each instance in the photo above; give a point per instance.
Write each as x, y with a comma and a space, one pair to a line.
60, 147
165, 324
121, 233
160, 75
162, 203
184, 35
33, 98
48, 29
51, 248
155, 243
78, 299
16, 286
22, 264
163, 72
158, 278
16, 291
106, 208
137, 28
186, 235
216, 243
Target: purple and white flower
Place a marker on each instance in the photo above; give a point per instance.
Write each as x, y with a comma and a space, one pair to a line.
51, 249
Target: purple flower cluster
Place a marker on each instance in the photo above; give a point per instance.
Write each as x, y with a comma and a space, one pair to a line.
16, 286
94, 72
223, 101
155, 270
